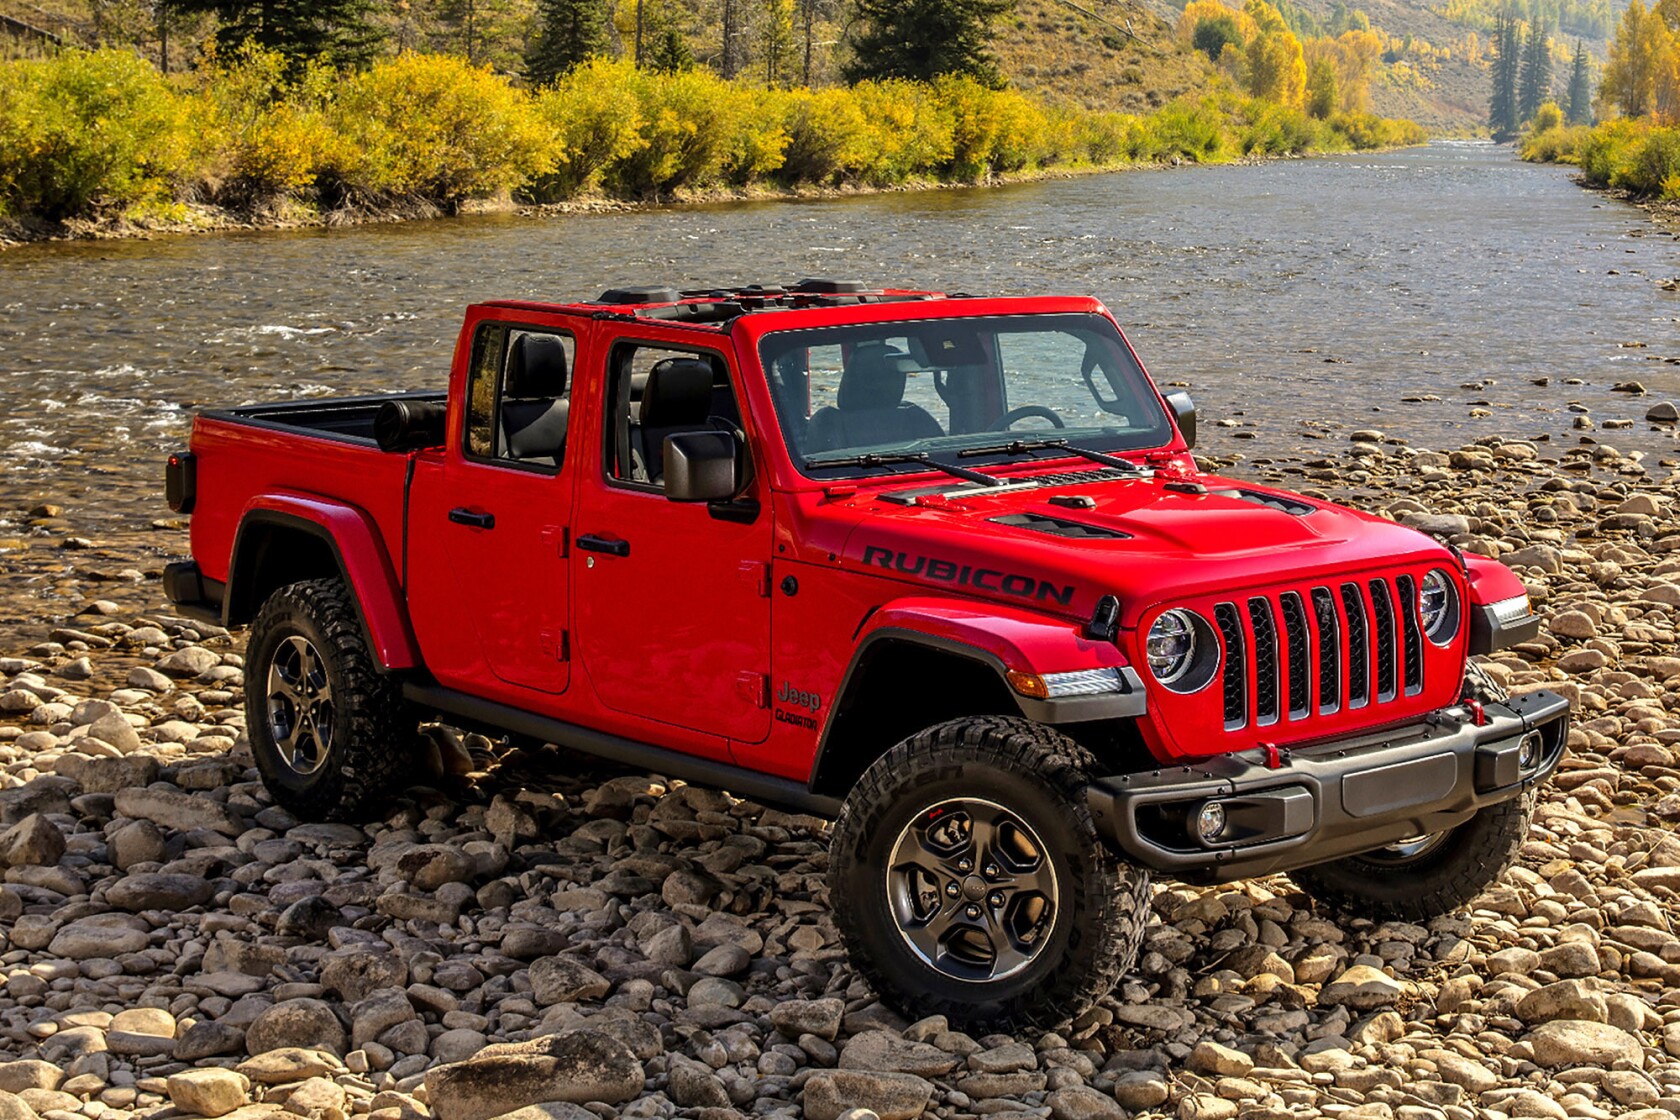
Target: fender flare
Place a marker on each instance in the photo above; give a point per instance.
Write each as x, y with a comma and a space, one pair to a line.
353, 538
1005, 640
1490, 582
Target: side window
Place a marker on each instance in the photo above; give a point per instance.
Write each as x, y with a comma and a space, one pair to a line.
656, 391
519, 395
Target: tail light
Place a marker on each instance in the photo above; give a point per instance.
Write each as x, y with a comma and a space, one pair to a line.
180, 481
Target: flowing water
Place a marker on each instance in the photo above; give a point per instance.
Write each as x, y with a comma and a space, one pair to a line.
1297, 299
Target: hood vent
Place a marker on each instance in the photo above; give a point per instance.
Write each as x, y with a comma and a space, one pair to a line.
1078, 478
1291, 506
1060, 527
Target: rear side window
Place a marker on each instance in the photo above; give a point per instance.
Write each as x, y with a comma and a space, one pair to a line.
519, 396
654, 391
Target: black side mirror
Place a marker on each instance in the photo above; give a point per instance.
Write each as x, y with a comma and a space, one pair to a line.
703, 466
1184, 409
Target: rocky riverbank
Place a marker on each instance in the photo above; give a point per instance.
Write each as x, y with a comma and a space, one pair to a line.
529, 931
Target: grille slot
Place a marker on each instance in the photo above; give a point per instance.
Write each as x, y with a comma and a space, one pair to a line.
1299, 652
1265, 661
1329, 651
1235, 682
1412, 633
1382, 610
1359, 644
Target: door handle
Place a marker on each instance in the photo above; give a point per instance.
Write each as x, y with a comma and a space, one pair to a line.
464, 516
612, 546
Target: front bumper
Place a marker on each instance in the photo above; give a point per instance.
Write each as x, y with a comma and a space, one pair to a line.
1331, 799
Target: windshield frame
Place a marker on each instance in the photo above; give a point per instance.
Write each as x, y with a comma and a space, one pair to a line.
1165, 436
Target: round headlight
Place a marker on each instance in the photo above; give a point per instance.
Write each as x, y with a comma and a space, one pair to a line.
1438, 607
1172, 645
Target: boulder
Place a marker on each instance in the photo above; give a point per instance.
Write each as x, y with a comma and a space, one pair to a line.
891, 1096
577, 1067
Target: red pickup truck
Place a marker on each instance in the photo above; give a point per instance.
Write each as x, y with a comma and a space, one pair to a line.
941, 567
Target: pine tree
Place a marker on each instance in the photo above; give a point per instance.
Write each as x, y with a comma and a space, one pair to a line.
1535, 86
339, 31
1580, 87
923, 39
568, 32
1502, 106
670, 52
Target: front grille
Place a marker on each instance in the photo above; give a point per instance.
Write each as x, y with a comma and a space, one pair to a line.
1265, 661
1319, 649
1235, 681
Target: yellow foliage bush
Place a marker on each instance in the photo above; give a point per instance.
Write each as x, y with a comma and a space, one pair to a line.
87, 131
437, 127
591, 125
275, 135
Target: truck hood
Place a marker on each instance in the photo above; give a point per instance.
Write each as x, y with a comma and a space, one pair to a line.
1149, 541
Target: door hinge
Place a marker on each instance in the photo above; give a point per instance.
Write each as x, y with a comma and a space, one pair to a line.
560, 642
754, 688
559, 538
757, 573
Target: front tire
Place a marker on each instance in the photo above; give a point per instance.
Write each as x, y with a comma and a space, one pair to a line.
1422, 878
330, 732
968, 879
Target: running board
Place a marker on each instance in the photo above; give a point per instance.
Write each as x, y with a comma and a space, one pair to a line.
780, 792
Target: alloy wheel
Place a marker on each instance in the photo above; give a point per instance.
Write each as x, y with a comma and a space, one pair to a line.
972, 889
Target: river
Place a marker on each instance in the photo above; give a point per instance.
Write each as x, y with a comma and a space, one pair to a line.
1297, 299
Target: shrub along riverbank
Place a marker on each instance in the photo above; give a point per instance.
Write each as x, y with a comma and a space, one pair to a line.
104, 138
1636, 156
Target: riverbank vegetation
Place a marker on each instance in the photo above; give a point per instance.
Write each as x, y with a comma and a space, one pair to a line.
103, 135
1637, 149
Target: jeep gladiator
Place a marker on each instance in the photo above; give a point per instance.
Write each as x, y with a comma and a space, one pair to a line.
940, 567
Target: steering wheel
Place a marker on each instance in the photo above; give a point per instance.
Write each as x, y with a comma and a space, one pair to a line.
1008, 419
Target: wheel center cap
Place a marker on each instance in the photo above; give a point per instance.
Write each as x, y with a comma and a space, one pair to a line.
974, 888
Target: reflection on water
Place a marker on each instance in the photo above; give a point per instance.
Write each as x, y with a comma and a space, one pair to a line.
1325, 290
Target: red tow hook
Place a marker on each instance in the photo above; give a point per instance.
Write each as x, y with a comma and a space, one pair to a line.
1476, 711
1274, 757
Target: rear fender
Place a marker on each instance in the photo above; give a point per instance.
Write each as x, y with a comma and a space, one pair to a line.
353, 538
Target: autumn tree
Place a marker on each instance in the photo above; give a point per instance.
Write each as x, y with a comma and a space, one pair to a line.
923, 39
568, 32
1640, 74
1277, 68
1321, 89
776, 39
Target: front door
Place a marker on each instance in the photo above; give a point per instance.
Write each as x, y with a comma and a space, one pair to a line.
503, 511
673, 608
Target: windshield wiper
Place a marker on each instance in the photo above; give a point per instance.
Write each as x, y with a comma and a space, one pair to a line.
919, 457
1022, 446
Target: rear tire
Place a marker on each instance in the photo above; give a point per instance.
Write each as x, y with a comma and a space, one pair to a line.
1045, 919
1444, 872
330, 732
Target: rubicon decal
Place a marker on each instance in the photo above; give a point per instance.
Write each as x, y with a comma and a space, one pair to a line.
966, 575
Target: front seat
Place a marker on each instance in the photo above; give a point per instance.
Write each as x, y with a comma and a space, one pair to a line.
870, 408
677, 398
534, 405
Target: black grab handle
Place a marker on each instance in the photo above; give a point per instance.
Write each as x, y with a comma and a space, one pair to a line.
612, 546
464, 516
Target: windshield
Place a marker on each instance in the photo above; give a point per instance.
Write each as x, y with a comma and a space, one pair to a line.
941, 385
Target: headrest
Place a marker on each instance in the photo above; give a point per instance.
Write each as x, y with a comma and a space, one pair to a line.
874, 378
678, 393
536, 368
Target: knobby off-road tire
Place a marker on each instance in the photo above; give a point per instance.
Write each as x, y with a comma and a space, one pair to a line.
1439, 878
331, 733
1020, 787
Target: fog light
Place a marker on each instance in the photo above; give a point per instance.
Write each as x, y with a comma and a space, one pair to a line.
1528, 752
1210, 821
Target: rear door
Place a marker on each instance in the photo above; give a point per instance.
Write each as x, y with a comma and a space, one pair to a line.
499, 513
673, 608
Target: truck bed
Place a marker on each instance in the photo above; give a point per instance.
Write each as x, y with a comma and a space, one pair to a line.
346, 418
